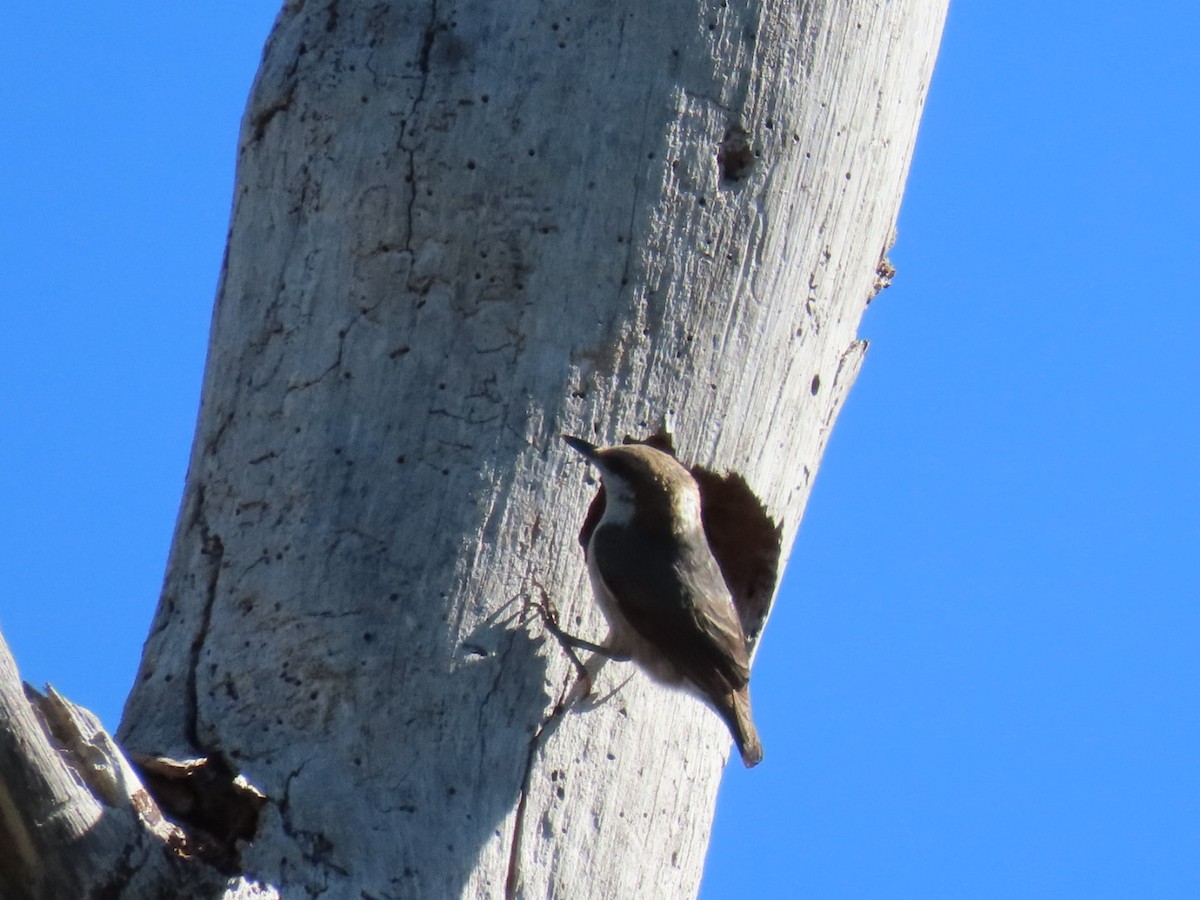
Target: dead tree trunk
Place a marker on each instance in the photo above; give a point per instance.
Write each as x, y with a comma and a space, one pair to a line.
459, 229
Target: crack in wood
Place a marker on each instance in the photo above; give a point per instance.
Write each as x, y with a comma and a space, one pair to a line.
512, 878
212, 547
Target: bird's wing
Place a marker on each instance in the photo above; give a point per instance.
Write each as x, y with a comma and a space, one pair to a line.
683, 608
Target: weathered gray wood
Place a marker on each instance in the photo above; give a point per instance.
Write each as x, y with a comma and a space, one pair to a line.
460, 229
75, 820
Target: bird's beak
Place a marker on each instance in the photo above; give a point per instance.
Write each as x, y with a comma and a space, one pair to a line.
589, 451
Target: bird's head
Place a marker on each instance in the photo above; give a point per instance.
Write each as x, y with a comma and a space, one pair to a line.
644, 483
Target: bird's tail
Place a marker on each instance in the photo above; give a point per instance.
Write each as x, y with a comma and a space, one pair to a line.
736, 713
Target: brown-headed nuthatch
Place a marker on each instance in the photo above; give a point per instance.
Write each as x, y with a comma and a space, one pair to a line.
660, 588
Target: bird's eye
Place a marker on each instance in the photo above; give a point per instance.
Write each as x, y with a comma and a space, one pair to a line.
617, 466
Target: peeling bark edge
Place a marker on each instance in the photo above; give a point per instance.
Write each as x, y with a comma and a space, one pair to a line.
75, 820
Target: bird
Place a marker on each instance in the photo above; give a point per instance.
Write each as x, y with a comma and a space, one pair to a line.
660, 588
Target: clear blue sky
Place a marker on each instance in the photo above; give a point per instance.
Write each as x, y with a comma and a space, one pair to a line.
981, 678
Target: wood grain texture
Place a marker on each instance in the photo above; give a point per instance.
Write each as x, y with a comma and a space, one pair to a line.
459, 229
75, 820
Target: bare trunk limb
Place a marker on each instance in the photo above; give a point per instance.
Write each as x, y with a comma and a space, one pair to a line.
75, 820
459, 229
